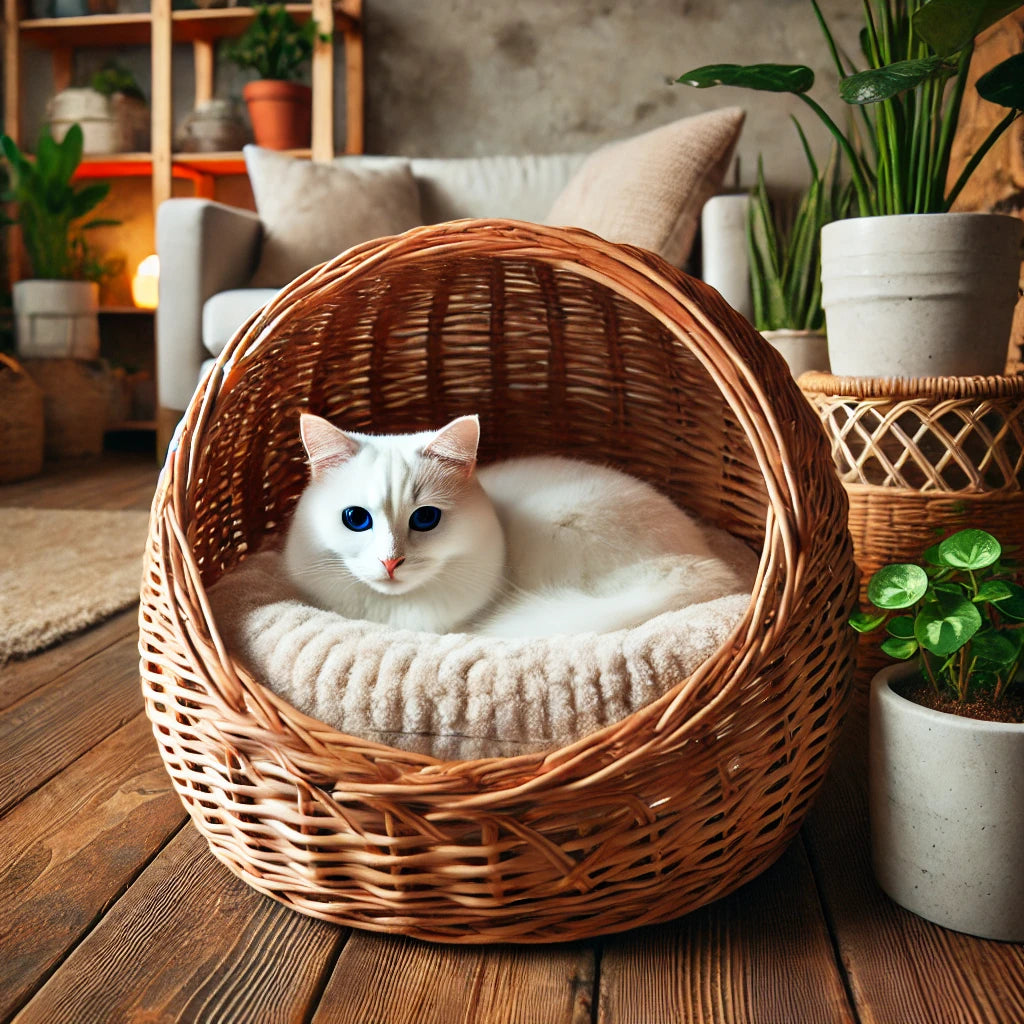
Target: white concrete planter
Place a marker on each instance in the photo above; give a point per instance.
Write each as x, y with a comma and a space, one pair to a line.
920, 295
802, 350
56, 319
947, 813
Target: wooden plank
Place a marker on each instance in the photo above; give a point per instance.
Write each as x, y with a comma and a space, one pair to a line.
20, 678
108, 482
403, 981
761, 954
190, 942
42, 734
900, 967
72, 847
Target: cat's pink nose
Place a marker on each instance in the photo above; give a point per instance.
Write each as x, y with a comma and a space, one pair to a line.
391, 564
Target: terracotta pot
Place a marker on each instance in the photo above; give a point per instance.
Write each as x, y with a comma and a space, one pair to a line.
280, 113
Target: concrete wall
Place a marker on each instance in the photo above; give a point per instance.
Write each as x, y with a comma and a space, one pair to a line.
455, 77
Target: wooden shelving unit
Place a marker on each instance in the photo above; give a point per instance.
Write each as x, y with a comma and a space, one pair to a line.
160, 29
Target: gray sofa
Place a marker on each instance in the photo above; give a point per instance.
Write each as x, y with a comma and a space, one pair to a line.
209, 252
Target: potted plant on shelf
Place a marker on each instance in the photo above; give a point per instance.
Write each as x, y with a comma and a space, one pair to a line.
56, 310
946, 747
277, 48
907, 292
784, 253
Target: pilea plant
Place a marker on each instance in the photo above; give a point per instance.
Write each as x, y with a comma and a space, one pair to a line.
960, 613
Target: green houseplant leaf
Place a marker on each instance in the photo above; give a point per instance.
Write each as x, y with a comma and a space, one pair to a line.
1004, 84
946, 624
970, 549
950, 25
879, 84
794, 78
897, 586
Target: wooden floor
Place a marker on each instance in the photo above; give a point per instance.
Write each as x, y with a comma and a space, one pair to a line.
113, 910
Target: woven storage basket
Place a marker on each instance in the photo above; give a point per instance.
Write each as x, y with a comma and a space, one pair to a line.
921, 458
21, 423
75, 405
562, 343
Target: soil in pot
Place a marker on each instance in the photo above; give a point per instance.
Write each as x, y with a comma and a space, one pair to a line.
1009, 709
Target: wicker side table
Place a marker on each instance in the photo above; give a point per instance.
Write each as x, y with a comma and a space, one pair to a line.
920, 459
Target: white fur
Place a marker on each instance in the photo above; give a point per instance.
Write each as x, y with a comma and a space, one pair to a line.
525, 548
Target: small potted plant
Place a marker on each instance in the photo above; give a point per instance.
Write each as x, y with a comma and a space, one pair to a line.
55, 311
907, 292
784, 253
277, 48
946, 747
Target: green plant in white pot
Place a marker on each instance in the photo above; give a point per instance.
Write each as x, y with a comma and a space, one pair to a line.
56, 309
907, 294
946, 747
784, 254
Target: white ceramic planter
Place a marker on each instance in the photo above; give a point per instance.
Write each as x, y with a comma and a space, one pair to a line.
920, 295
56, 319
802, 350
947, 813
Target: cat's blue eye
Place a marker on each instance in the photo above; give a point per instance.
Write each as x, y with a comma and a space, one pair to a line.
356, 518
425, 518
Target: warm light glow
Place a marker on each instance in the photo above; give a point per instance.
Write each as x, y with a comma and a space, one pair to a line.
145, 283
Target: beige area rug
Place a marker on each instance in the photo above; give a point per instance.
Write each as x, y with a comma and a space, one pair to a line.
62, 570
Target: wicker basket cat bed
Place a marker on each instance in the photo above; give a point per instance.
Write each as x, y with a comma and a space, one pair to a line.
562, 343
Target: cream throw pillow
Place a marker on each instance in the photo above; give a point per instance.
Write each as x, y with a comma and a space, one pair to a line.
313, 211
649, 190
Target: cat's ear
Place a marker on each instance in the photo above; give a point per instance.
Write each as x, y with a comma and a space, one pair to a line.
325, 444
456, 443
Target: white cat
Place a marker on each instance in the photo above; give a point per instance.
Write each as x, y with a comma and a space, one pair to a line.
403, 530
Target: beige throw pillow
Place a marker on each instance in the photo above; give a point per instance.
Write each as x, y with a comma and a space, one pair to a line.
649, 190
313, 211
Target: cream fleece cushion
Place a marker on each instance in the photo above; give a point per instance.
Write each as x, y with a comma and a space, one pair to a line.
649, 190
313, 211
460, 695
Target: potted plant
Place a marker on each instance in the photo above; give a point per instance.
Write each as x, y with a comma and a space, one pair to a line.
784, 254
946, 746
907, 294
56, 310
277, 48
111, 112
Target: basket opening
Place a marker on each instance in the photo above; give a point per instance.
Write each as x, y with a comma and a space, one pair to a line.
552, 360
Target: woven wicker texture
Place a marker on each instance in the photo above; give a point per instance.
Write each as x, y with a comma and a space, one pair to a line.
562, 343
75, 405
920, 459
21, 423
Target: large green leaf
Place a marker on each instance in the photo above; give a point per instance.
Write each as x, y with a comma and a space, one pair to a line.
949, 25
896, 647
970, 549
1004, 84
877, 84
795, 78
995, 646
945, 625
897, 586
865, 622
1012, 607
